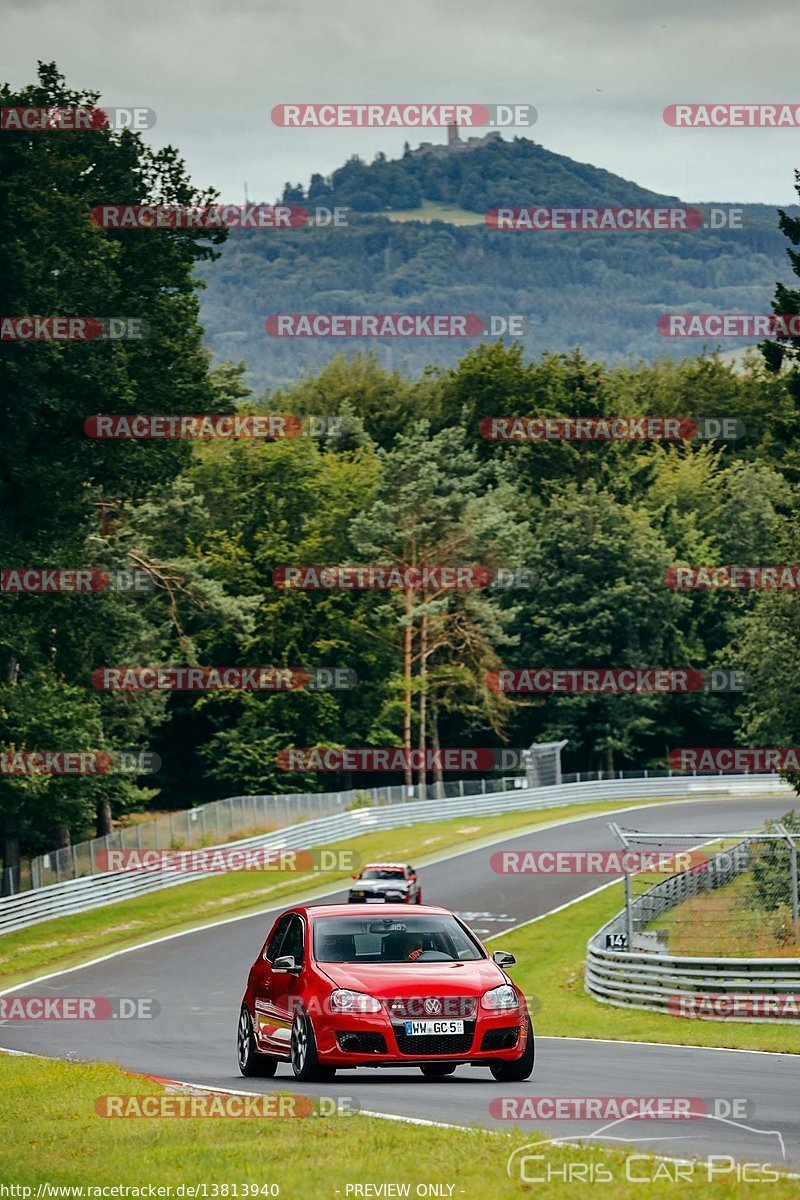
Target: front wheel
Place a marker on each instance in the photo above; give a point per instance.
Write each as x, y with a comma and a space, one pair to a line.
250, 1061
438, 1070
520, 1068
305, 1061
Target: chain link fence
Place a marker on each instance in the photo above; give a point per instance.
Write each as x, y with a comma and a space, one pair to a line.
226, 820
223, 821
724, 895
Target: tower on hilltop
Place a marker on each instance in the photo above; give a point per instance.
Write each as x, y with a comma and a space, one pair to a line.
452, 136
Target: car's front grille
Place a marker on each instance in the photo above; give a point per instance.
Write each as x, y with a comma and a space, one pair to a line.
501, 1039
361, 1043
433, 1044
426, 1007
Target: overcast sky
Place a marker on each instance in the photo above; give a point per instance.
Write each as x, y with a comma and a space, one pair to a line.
599, 72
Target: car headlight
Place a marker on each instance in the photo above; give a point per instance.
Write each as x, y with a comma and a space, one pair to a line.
396, 895
345, 1001
500, 998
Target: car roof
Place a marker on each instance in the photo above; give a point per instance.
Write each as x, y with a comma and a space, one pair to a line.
357, 910
394, 866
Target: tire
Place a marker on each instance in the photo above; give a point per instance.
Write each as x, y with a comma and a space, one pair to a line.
305, 1062
438, 1070
250, 1061
519, 1069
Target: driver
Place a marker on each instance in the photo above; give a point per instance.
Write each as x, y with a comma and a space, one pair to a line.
413, 947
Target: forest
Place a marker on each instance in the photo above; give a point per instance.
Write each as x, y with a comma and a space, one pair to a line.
390, 465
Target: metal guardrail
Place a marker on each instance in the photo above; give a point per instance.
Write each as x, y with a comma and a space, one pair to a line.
214, 822
731, 989
94, 891
245, 816
221, 820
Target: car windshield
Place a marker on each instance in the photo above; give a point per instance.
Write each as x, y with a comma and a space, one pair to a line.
383, 873
419, 938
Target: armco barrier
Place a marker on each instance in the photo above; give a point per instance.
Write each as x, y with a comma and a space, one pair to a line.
725, 989
94, 891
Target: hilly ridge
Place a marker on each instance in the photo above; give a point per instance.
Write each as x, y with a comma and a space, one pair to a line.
498, 172
601, 291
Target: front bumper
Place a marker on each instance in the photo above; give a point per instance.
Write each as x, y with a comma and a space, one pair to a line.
358, 897
376, 1040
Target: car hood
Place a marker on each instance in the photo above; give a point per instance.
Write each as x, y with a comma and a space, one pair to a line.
398, 980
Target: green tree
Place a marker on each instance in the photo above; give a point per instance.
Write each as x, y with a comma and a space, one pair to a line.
437, 505
62, 493
599, 601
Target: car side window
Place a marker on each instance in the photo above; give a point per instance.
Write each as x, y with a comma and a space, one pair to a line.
293, 942
273, 947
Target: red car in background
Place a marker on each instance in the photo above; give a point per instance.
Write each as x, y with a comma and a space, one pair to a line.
340, 986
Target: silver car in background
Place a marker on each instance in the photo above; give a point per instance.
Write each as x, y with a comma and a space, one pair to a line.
386, 883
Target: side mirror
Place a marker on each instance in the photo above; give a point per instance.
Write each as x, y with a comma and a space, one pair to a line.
285, 964
355, 877
503, 958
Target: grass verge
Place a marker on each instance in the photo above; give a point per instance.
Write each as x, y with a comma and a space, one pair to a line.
68, 941
724, 922
434, 210
551, 954
54, 1136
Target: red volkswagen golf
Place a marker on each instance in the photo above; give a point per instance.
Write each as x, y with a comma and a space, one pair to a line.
339, 986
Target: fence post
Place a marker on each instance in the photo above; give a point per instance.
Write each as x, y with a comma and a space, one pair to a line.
628, 911
793, 865
784, 832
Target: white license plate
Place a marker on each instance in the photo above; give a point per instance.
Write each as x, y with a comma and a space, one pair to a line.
375, 900
423, 1028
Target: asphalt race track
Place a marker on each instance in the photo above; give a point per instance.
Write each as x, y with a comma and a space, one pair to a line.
198, 979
